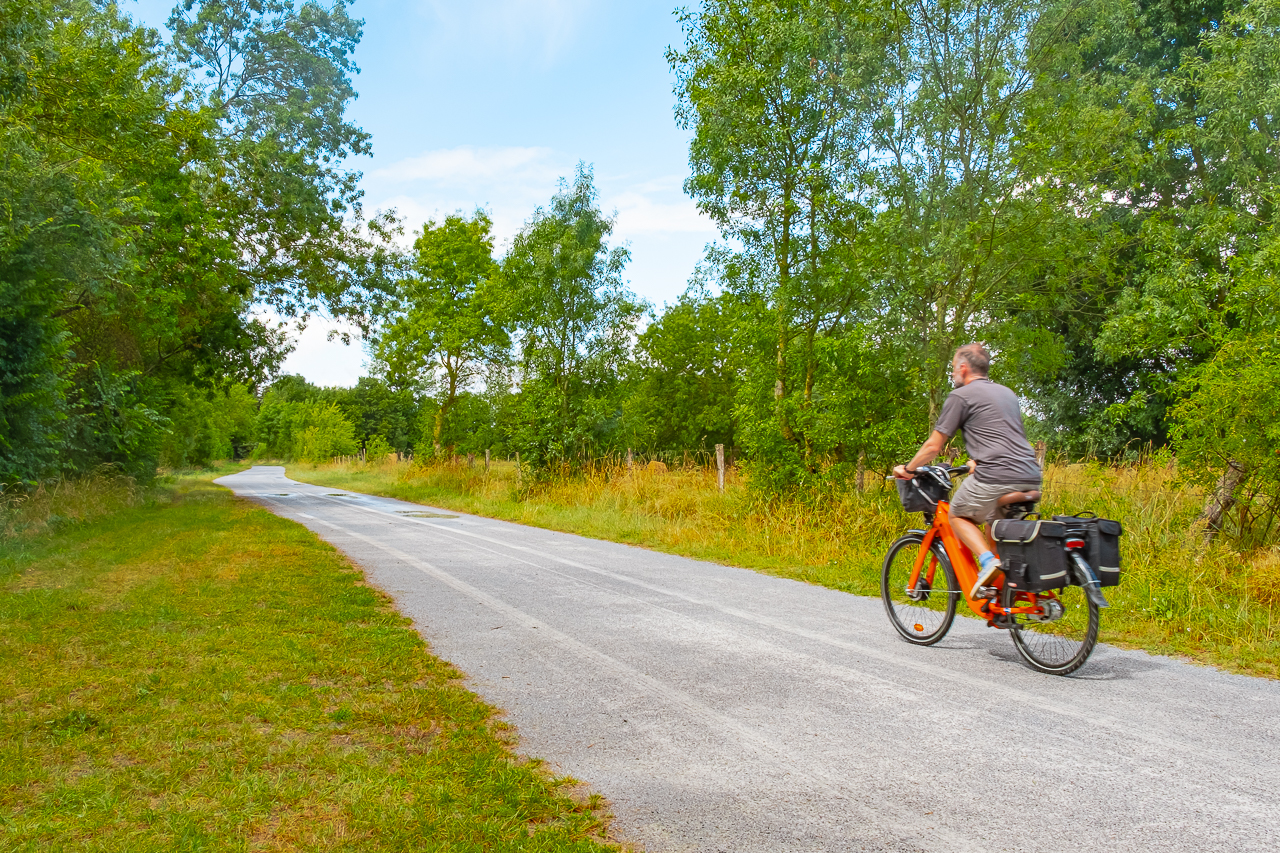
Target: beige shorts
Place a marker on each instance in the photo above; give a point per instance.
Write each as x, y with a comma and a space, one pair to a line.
978, 501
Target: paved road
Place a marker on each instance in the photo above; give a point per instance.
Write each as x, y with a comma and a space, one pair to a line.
724, 710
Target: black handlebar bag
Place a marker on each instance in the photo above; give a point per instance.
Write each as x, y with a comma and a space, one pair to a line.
1101, 544
1032, 553
920, 494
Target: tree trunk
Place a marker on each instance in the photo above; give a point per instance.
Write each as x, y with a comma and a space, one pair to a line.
445, 406
1222, 499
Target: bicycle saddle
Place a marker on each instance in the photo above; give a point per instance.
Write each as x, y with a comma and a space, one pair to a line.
1019, 498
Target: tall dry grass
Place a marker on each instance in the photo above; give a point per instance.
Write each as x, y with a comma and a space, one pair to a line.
1182, 594
50, 504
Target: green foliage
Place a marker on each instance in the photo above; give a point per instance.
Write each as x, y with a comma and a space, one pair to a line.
443, 331
319, 432
112, 423
1227, 417
153, 194
574, 321
297, 420
377, 448
206, 426
880, 169
684, 380
374, 409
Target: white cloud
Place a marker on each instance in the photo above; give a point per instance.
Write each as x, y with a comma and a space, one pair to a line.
507, 181
647, 213
322, 361
510, 182
542, 30
469, 164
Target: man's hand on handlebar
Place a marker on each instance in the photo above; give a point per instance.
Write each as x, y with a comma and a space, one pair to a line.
900, 472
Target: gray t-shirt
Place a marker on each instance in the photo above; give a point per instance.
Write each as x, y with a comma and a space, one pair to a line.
992, 423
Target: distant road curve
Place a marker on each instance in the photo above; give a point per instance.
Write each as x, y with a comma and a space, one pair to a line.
724, 710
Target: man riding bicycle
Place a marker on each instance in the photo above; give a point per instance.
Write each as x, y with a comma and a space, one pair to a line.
1002, 458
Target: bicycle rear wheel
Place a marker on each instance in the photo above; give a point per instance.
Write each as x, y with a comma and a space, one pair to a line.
1062, 646
923, 613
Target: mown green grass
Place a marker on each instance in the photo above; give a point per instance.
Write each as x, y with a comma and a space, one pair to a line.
1181, 595
183, 671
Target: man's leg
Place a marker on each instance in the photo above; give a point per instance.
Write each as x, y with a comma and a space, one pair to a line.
971, 505
970, 534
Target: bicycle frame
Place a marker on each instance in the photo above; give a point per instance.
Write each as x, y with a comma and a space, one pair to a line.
966, 571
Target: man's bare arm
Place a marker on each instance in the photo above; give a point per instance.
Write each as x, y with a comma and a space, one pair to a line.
927, 453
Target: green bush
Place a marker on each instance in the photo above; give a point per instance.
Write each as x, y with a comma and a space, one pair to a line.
1227, 417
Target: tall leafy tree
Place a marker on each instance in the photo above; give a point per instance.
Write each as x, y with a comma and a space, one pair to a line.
84, 135
447, 326
683, 382
575, 321
873, 163
158, 206
772, 91
973, 215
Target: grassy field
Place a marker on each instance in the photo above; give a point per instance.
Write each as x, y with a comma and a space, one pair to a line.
1181, 595
183, 671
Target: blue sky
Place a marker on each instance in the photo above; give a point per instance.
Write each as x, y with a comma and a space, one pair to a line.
488, 102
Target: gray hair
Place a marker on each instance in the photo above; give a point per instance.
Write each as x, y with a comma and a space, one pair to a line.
976, 356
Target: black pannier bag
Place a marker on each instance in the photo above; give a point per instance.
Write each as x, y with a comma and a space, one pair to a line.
1101, 544
920, 494
1032, 553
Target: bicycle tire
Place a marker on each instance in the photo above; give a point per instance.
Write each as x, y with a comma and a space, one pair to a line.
1060, 647
924, 619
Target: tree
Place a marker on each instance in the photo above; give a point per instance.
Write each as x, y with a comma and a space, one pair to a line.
276, 78
1225, 431
683, 382
878, 167
445, 330
152, 213
771, 91
375, 409
575, 320
83, 125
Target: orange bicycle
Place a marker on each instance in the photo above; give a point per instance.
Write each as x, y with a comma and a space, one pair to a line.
927, 571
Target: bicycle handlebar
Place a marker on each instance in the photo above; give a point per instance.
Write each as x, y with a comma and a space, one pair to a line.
952, 470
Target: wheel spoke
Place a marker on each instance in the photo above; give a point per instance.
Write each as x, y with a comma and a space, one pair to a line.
1063, 645
922, 611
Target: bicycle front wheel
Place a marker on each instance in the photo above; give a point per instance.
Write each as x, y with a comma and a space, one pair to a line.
1060, 646
921, 612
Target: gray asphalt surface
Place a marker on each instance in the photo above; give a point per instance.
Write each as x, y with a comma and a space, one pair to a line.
723, 710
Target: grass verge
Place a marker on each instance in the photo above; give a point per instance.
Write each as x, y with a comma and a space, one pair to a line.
183, 671
1181, 595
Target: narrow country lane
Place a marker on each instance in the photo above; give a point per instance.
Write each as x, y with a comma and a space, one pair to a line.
724, 710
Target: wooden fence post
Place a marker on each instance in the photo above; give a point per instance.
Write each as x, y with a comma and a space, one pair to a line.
720, 465
1040, 453
486, 460
628, 458
862, 470
517, 470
